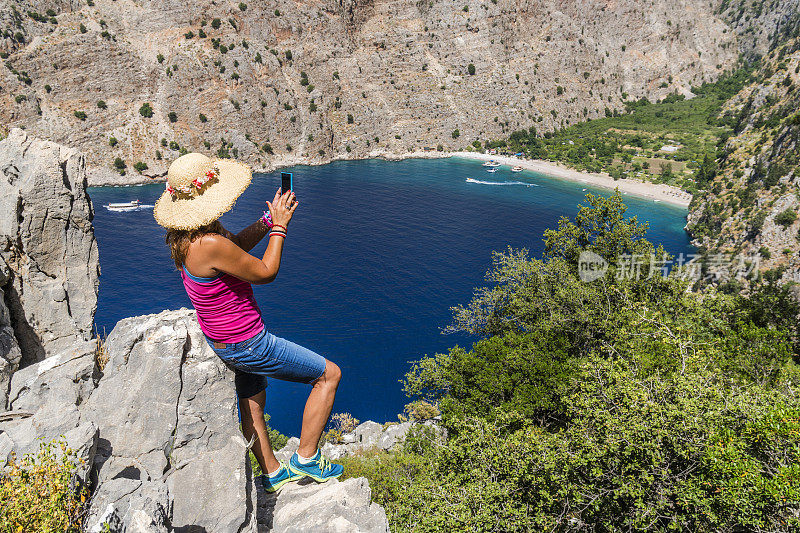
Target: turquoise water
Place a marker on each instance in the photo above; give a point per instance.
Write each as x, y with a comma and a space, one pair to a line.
377, 254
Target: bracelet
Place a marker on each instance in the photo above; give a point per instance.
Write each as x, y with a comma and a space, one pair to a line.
280, 226
279, 233
266, 219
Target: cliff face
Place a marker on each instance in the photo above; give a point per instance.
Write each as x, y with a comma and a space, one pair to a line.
48, 254
273, 82
752, 205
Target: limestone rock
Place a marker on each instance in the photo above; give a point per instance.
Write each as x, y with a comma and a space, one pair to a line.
10, 354
169, 438
65, 379
47, 246
332, 507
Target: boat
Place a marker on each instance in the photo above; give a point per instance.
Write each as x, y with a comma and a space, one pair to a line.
491, 164
492, 170
133, 205
517, 169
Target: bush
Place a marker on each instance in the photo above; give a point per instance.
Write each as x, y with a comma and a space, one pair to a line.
203, 118
119, 164
82, 28
471, 69
189, 34
146, 111
267, 148
456, 134
786, 218
112, 141
350, 118
101, 104
216, 23
172, 116
614, 405
40, 492
80, 115
140, 167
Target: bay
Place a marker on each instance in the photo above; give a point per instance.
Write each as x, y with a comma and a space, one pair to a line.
376, 255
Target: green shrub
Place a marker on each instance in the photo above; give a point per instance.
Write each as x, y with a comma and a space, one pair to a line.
112, 141
47, 88
350, 118
786, 218
101, 104
215, 23
471, 69
189, 34
40, 493
619, 404
82, 28
242, 6
203, 118
456, 134
140, 166
20, 98
119, 164
267, 148
81, 115
146, 111
173, 117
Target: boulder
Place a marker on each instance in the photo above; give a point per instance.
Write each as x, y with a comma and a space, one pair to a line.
48, 250
44, 399
170, 451
335, 507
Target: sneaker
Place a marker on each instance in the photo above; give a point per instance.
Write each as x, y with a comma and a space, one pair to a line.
319, 469
279, 479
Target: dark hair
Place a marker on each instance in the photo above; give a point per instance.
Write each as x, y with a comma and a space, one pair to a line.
178, 240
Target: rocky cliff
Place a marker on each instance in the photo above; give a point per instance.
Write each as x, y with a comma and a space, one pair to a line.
751, 206
48, 254
283, 81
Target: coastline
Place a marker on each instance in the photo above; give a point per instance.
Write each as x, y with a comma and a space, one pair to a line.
658, 192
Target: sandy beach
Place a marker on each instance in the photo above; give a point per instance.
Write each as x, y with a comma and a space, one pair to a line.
655, 191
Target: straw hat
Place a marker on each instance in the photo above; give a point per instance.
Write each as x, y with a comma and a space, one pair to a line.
200, 190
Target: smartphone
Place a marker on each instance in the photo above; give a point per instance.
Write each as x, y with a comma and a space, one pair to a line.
286, 182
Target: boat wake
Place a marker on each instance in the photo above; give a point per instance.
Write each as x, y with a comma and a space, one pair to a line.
471, 180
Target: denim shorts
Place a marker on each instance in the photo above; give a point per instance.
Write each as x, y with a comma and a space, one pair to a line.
265, 355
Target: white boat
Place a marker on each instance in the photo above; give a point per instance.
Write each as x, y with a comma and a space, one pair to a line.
491, 164
492, 170
517, 169
133, 205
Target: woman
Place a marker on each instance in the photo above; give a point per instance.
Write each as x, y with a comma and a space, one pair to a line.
217, 272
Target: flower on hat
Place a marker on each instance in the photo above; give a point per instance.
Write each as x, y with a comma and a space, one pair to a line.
210, 175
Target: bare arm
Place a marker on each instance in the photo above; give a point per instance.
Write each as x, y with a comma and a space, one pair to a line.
249, 236
225, 254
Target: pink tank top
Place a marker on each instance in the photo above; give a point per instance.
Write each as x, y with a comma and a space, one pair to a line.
226, 309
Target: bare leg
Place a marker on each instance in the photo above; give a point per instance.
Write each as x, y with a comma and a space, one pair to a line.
318, 409
252, 410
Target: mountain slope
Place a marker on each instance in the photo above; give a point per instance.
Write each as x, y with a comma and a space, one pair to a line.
381, 76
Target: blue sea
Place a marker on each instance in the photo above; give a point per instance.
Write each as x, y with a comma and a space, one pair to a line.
377, 254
